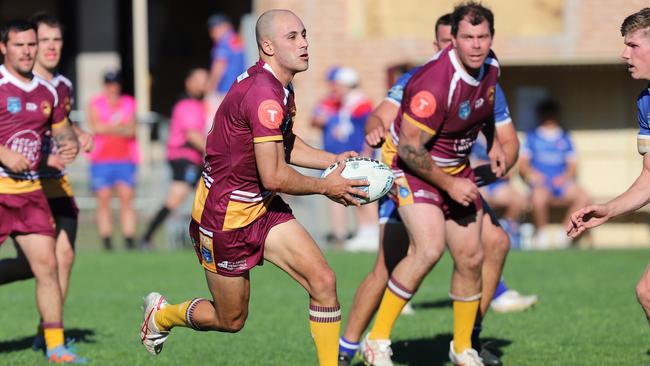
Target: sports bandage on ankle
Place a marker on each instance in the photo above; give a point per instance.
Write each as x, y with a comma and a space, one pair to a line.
190, 311
324, 314
465, 299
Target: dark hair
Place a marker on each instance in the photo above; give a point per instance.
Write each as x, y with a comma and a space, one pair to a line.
636, 21
47, 19
476, 12
548, 109
16, 25
443, 20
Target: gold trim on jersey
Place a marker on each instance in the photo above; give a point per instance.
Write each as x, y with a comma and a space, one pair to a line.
57, 187
388, 150
61, 123
10, 185
257, 140
419, 125
240, 214
453, 170
404, 193
200, 197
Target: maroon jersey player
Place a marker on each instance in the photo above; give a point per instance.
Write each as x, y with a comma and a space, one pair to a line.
238, 219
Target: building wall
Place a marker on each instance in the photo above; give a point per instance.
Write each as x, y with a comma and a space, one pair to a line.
373, 35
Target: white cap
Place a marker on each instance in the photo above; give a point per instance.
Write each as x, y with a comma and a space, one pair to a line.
346, 76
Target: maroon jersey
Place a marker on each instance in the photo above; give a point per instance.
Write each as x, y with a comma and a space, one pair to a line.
445, 101
257, 108
63, 87
28, 110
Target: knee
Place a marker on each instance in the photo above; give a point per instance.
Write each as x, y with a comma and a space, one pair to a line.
497, 244
65, 257
643, 293
323, 284
234, 325
539, 197
427, 255
44, 267
470, 261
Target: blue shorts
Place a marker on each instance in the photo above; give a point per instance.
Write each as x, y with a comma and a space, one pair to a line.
490, 188
556, 192
388, 211
107, 175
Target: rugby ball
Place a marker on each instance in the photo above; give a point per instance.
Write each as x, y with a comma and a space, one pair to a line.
379, 176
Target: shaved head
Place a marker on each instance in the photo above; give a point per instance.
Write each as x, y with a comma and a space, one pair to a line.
265, 27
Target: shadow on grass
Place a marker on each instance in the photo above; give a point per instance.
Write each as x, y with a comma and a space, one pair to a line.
443, 303
21, 344
434, 351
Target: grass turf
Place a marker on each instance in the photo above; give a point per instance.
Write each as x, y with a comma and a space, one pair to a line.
587, 315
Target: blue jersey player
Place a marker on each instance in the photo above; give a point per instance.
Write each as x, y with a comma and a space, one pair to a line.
636, 33
548, 164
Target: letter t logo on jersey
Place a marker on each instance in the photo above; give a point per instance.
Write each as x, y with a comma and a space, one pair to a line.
270, 114
423, 104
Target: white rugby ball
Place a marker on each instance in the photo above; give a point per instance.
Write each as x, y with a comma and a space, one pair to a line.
379, 176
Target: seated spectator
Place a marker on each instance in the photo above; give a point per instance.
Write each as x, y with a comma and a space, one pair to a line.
548, 164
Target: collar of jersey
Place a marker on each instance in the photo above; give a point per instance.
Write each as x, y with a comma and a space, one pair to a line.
469, 79
287, 89
17, 82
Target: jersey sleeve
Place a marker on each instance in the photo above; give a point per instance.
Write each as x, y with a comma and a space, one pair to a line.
264, 113
222, 51
59, 113
424, 107
501, 110
643, 115
396, 92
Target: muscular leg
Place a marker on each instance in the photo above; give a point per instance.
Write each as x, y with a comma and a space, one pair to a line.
39, 251
643, 292
424, 223
465, 246
393, 247
495, 248
67, 229
290, 247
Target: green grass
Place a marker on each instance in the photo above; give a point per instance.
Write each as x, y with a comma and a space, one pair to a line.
587, 315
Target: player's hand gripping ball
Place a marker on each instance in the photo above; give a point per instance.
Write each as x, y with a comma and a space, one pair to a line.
379, 176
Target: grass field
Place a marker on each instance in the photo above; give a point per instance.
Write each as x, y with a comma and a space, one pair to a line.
587, 315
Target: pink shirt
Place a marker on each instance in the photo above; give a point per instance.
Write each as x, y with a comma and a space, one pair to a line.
188, 114
112, 148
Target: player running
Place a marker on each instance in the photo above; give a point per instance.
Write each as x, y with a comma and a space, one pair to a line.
238, 220
56, 185
29, 109
445, 105
394, 238
636, 32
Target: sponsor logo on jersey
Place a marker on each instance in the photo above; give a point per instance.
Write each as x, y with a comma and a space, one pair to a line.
423, 104
270, 114
233, 266
404, 192
46, 107
31, 106
27, 143
14, 105
479, 103
464, 110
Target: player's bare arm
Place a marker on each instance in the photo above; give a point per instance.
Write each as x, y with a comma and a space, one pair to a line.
13, 161
413, 152
66, 141
378, 123
85, 138
635, 197
306, 156
277, 176
507, 137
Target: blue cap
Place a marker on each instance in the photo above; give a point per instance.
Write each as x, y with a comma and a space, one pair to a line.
112, 77
331, 73
216, 19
